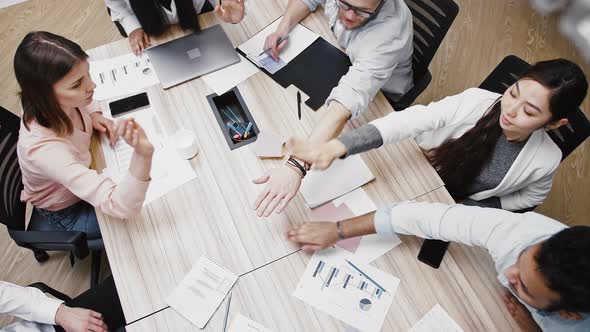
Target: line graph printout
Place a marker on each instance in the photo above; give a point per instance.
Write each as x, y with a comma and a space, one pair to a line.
357, 294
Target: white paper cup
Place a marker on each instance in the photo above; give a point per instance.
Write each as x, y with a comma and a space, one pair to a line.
186, 144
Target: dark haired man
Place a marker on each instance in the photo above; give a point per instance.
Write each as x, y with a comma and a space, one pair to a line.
544, 264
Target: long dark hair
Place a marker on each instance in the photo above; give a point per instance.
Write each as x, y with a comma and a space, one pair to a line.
459, 161
153, 20
42, 59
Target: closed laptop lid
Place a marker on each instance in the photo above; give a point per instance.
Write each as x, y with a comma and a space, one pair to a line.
192, 56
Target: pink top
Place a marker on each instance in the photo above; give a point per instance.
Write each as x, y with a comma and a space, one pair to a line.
56, 172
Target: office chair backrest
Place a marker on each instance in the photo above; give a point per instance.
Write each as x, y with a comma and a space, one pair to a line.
12, 210
568, 137
431, 19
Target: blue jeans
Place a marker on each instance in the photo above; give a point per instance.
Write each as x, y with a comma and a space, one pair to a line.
79, 217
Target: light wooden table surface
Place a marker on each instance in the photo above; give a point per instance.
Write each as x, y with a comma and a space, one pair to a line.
464, 286
212, 215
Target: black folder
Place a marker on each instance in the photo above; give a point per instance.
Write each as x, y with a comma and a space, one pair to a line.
315, 71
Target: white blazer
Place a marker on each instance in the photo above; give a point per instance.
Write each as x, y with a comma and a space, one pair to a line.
121, 11
528, 180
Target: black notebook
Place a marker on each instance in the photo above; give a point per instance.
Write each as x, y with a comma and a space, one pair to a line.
315, 71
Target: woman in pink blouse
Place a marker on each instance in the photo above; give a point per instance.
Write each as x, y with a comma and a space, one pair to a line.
59, 117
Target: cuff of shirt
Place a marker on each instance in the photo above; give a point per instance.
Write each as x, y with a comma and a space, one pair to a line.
382, 222
311, 4
47, 309
134, 189
130, 24
347, 98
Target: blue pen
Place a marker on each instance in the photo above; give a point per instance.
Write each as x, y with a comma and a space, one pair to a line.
248, 130
365, 275
278, 43
230, 126
236, 119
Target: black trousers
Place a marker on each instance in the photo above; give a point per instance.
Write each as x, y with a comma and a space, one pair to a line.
102, 298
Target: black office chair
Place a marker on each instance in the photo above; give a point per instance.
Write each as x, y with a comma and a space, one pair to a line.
431, 21
567, 138
12, 210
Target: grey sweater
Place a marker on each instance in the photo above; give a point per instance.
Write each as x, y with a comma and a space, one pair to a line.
368, 137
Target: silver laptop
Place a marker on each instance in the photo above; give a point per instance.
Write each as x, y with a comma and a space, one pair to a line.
192, 56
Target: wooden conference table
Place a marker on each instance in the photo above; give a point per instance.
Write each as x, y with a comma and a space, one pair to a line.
212, 215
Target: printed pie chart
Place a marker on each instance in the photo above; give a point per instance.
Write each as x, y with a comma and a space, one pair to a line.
365, 304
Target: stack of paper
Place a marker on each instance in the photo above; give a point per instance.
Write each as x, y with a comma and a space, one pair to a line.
436, 320
244, 324
268, 145
200, 293
122, 75
168, 172
342, 177
299, 39
357, 294
225, 79
356, 203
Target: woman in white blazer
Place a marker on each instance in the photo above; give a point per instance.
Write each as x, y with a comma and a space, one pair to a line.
465, 135
142, 18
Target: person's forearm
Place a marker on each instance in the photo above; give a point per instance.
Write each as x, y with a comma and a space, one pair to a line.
331, 124
358, 226
140, 166
296, 11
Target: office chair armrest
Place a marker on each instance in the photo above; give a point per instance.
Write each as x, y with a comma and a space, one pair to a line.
46, 289
75, 242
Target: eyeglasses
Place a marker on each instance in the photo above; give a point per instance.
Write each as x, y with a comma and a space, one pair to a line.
359, 12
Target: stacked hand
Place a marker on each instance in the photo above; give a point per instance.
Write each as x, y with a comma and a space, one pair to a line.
79, 320
313, 236
230, 11
319, 155
282, 184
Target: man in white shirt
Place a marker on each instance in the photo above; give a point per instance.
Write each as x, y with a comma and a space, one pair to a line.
38, 312
377, 35
544, 264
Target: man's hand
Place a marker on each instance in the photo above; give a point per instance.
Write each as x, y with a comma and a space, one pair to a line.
79, 320
319, 155
313, 236
139, 40
104, 126
230, 11
271, 42
282, 184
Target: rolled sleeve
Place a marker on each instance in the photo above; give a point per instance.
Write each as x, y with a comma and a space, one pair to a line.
382, 222
313, 4
129, 198
121, 11
47, 309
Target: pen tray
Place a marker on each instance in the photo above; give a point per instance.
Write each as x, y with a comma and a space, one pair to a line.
230, 107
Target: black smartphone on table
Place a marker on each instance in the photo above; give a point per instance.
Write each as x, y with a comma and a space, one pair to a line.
129, 104
432, 252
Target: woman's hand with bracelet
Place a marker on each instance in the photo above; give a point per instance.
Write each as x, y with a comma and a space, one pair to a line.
282, 184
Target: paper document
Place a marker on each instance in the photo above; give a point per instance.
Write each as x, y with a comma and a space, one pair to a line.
357, 294
225, 79
168, 172
200, 293
122, 75
342, 177
244, 324
356, 203
299, 39
268, 145
436, 320
8, 3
